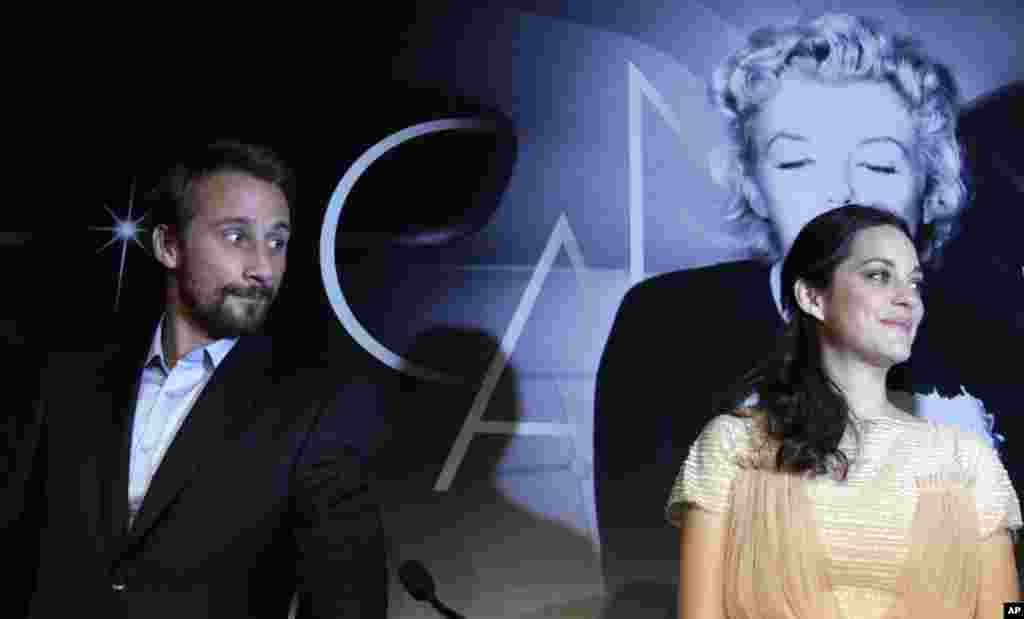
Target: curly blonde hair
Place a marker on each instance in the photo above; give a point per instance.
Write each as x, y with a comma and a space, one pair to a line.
841, 48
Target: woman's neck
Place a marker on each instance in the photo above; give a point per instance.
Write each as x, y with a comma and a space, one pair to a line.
862, 384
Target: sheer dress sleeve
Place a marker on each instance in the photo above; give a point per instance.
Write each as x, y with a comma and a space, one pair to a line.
706, 478
997, 501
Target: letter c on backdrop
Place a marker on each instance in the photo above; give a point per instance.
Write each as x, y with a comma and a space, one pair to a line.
328, 240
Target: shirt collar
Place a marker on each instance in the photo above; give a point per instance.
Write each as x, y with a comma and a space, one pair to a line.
212, 354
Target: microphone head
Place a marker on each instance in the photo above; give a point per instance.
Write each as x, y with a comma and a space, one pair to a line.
417, 580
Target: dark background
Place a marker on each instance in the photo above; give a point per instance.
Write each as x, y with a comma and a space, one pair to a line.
100, 101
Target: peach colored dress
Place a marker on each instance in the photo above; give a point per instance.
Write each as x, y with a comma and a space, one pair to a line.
898, 538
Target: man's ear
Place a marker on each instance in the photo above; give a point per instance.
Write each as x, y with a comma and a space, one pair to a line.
810, 299
166, 246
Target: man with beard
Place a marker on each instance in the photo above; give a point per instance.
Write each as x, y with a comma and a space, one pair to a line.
196, 474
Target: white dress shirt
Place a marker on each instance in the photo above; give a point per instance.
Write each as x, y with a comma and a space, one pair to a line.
164, 401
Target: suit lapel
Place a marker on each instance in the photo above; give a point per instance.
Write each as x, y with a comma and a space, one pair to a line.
227, 400
119, 380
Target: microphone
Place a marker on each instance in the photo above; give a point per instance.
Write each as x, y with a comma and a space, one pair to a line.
420, 585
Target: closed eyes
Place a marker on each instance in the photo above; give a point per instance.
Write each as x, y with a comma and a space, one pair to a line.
799, 163
883, 169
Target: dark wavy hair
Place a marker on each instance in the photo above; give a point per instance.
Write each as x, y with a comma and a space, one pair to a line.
805, 410
170, 200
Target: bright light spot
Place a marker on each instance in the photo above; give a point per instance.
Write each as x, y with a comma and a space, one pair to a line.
127, 230
123, 231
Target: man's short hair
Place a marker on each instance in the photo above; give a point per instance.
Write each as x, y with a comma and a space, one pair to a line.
170, 201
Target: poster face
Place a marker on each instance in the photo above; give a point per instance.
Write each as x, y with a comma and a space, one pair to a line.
480, 186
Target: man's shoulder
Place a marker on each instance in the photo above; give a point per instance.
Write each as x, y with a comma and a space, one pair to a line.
345, 394
705, 293
714, 276
318, 375
81, 358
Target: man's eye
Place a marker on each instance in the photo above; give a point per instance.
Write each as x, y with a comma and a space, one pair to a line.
881, 169
233, 236
278, 243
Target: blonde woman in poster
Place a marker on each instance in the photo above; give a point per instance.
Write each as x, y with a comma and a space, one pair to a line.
820, 114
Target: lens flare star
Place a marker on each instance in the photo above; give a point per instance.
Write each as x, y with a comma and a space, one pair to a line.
123, 231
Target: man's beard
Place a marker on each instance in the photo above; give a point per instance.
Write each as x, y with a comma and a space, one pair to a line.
227, 318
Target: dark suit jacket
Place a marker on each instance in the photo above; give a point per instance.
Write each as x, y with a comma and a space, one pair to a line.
678, 340
264, 491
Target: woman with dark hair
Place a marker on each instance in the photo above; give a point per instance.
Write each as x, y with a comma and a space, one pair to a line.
816, 496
